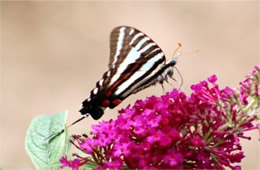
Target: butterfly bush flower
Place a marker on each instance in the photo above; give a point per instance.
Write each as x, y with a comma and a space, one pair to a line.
200, 131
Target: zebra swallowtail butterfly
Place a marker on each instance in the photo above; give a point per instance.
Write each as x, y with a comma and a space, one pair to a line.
136, 62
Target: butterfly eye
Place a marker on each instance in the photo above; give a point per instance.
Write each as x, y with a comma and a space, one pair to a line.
172, 62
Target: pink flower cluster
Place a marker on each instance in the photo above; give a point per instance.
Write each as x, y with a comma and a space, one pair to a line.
175, 131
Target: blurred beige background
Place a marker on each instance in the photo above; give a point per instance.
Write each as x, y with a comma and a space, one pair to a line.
52, 54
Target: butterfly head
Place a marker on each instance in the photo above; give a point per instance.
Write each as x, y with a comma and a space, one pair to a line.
92, 109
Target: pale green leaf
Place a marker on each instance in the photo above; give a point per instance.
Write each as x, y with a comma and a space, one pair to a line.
45, 153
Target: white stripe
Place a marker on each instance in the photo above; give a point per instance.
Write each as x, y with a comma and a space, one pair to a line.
119, 44
131, 31
135, 37
114, 79
108, 74
147, 66
95, 91
132, 56
140, 43
146, 47
101, 82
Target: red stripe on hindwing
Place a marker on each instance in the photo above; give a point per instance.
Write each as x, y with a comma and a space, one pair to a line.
122, 78
105, 103
116, 102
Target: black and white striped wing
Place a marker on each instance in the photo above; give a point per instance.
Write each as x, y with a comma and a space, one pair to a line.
135, 63
134, 58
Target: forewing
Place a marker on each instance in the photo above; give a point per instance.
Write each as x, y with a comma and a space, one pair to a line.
129, 45
133, 58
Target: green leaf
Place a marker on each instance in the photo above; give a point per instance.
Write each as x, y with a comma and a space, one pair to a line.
45, 152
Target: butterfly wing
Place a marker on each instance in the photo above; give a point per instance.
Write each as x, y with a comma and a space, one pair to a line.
134, 57
135, 60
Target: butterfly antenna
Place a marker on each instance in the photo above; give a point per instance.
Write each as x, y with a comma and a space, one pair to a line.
52, 136
175, 51
175, 56
191, 52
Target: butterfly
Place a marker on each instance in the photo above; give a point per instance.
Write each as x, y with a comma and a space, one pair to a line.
136, 62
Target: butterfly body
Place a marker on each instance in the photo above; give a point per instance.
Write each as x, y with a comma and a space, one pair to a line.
136, 62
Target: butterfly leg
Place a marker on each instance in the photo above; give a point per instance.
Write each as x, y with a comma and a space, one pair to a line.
169, 82
161, 80
179, 83
163, 88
